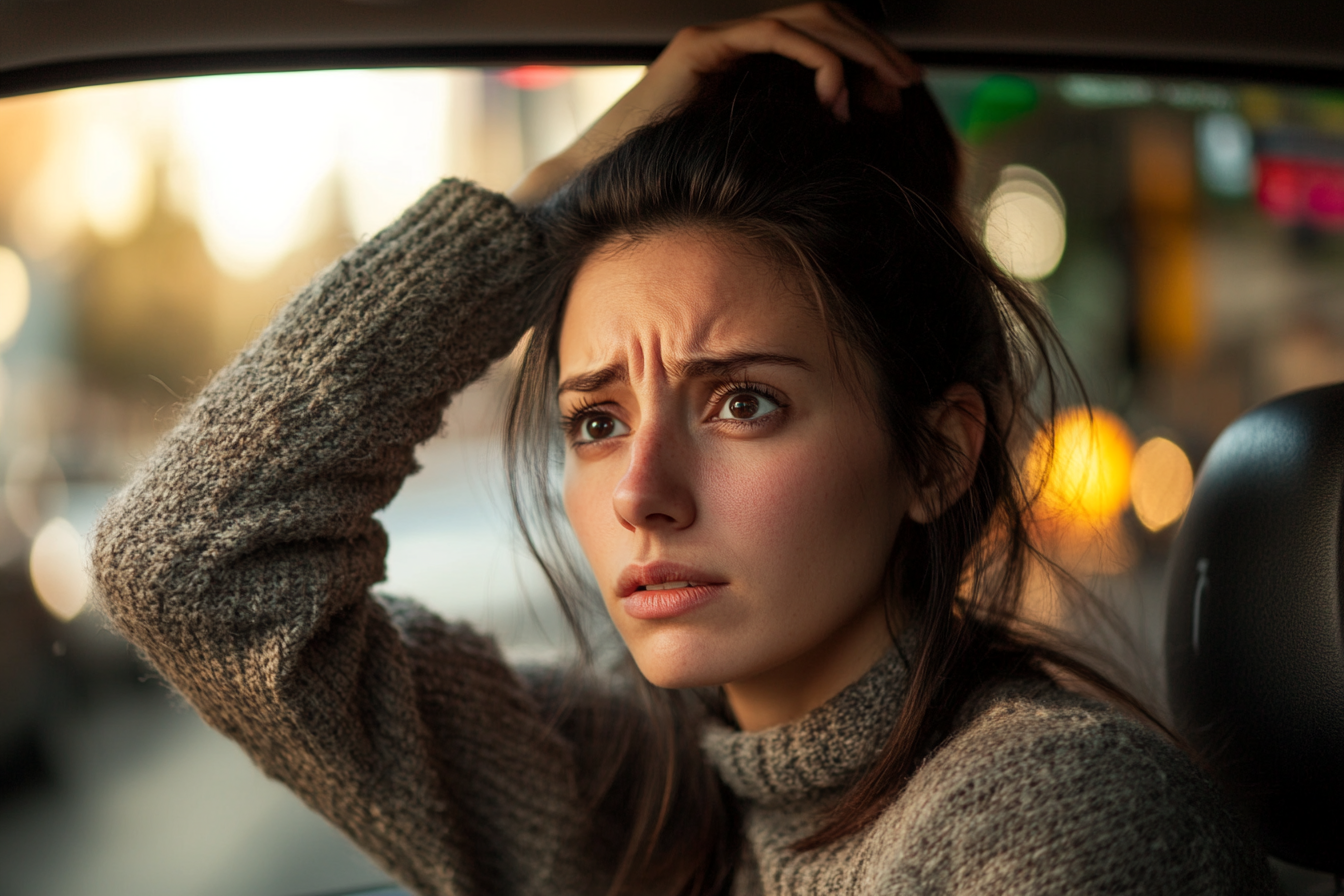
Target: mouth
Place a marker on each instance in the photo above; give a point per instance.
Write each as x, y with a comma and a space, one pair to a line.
640, 578
668, 586
667, 600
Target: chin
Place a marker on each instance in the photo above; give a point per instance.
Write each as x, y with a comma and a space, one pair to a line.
688, 662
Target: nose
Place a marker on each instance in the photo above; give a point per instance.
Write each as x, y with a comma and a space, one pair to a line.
656, 490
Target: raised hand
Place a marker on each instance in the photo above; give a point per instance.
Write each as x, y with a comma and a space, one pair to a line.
820, 36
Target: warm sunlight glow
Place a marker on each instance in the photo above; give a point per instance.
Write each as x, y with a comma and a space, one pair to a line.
597, 89
57, 566
1087, 479
1024, 223
395, 141
14, 293
1161, 483
259, 147
115, 184
48, 214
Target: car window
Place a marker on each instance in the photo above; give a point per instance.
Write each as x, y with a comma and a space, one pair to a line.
1186, 236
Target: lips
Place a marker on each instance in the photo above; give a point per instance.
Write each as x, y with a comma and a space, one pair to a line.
662, 576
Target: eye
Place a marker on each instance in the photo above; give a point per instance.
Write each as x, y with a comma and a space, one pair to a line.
746, 406
596, 426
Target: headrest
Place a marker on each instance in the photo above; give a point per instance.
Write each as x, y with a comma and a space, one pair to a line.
1255, 622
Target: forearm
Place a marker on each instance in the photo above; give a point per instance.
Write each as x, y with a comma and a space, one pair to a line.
240, 557
294, 445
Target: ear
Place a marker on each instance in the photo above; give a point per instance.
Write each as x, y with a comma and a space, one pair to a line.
959, 420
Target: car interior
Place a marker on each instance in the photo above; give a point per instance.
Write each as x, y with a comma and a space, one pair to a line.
1238, 589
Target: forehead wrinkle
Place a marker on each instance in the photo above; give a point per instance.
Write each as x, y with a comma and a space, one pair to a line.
731, 363
642, 362
703, 355
656, 329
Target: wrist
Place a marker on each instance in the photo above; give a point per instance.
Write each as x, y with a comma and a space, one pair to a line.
537, 185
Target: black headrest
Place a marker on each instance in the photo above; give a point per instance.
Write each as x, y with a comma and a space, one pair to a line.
1255, 622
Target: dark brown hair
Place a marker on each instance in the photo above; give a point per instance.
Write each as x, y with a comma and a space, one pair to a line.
866, 212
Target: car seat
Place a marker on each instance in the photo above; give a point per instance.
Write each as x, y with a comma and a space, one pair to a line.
1255, 643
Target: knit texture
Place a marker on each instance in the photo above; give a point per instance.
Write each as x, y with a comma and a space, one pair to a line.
241, 557
1039, 791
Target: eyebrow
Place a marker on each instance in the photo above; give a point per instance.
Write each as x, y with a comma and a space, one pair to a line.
721, 366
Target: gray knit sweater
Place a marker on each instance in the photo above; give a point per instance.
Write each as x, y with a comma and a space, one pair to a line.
240, 559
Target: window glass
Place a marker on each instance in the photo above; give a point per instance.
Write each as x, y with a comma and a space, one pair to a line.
1187, 238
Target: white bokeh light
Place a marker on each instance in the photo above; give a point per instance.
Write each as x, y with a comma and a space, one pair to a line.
258, 147
1024, 224
1225, 151
15, 293
398, 145
115, 181
56, 564
596, 89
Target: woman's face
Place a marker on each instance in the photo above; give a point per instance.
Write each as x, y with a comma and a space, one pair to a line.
736, 498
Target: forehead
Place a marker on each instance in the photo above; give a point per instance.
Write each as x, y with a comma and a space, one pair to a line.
682, 293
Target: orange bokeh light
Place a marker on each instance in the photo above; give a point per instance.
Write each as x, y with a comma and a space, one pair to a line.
1085, 479
1162, 485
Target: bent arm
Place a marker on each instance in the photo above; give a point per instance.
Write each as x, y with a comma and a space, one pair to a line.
240, 557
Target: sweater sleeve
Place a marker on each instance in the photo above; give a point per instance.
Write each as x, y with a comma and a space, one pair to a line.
240, 557
1061, 795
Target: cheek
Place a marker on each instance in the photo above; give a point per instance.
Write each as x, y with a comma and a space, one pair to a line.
809, 507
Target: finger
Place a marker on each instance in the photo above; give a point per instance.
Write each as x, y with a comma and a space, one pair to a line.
912, 72
717, 47
848, 34
850, 37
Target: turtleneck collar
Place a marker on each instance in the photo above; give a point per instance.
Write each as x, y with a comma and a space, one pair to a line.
822, 751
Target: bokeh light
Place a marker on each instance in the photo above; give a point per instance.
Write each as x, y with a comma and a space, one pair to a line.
115, 181
399, 144
535, 77
259, 147
1105, 91
1024, 223
57, 566
1161, 483
15, 293
1225, 153
1082, 464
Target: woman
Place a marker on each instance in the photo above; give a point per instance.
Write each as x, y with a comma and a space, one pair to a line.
787, 384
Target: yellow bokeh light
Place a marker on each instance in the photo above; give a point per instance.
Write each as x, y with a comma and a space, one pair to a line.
1088, 473
56, 565
14, 293
1161, 483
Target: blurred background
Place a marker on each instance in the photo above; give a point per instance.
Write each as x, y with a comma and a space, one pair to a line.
1187, 237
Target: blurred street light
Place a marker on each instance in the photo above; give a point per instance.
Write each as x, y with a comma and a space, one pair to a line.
1161, 483
1082, 464
57, 566
15, 293
1024, 223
